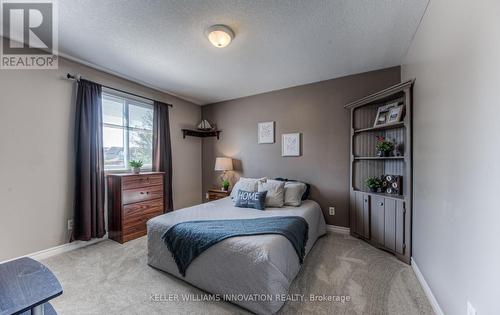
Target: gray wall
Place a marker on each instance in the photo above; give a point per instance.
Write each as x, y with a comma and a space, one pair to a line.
455, 58
36, 154
316, 110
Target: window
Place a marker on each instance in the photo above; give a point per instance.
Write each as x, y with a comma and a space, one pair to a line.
127, 131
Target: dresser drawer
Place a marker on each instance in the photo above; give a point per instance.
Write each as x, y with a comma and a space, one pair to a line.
142, 194
139, 181
141, 212
134, 232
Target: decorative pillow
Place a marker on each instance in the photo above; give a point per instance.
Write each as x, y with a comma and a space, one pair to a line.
293, 193
305, 196
247, 184
251, 199
275, 193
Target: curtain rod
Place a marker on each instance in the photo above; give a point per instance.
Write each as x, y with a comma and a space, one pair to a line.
77, 78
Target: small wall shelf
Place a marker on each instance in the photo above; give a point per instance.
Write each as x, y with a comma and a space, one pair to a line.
384, 127
200, 133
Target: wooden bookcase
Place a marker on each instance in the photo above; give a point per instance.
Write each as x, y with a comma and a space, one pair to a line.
383, 220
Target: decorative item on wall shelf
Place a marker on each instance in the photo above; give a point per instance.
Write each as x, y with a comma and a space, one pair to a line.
384, 147
265, 132
389, 114
290, 144
373, 183
224, 164
205, 126
392, 184
136, 166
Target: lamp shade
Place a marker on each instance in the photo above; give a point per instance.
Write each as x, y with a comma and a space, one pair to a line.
223, 164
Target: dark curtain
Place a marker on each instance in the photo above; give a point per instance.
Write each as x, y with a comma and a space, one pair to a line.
89, 175
162, 151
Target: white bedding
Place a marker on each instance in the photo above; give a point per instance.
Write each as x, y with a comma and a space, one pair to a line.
247, 265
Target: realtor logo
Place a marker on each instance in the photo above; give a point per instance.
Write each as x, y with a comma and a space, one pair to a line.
29, 34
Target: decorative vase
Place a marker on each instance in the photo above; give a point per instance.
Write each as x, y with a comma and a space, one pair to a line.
373, 189
137, 170
383, 153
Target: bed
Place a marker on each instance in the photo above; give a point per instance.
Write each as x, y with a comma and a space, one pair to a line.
239, 266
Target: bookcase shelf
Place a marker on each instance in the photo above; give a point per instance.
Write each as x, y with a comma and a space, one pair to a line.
382, 219
397, 197
379, 158
384, 127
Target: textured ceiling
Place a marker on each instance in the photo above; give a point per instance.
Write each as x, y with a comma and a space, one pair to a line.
278, 44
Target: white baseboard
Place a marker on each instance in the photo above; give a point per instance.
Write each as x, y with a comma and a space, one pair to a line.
338, 229
432, 299
46, 253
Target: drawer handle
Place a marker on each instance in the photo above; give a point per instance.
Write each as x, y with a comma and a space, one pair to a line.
380, 203
147, 193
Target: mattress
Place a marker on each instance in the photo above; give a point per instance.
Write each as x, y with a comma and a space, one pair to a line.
254, 271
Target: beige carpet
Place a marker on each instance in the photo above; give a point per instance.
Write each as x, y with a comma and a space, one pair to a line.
109, 278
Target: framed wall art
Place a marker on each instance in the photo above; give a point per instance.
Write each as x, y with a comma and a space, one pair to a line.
290, 144
265, 132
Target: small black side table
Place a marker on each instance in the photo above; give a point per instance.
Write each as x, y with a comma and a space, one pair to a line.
26, 286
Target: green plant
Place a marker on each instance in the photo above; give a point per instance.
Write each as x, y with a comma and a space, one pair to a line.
373, 182
383, 145
225, 184
135, 163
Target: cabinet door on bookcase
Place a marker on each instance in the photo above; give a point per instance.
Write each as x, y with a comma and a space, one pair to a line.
400, 226
358, 213
366, 216
394, 225
377, 219
352, 213
390, 224
362, 214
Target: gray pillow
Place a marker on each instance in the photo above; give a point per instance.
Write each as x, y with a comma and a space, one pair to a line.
251, 199
293, 193
275, 192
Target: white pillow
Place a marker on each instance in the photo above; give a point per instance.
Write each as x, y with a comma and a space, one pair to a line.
275, 192
247, 184
293, 193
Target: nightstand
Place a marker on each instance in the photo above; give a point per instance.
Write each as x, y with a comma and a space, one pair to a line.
214, 194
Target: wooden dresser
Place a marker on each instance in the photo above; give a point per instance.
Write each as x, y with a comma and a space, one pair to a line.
133, 199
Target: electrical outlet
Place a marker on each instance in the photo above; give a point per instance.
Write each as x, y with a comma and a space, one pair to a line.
470, 309
70, 224
332, 210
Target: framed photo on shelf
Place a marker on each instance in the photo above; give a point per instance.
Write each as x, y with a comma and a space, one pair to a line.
265, 132
384, 114
395, 114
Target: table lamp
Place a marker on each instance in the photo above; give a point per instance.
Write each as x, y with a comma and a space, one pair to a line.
224, 164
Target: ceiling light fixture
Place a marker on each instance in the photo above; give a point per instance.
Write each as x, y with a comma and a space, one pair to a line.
220, 35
